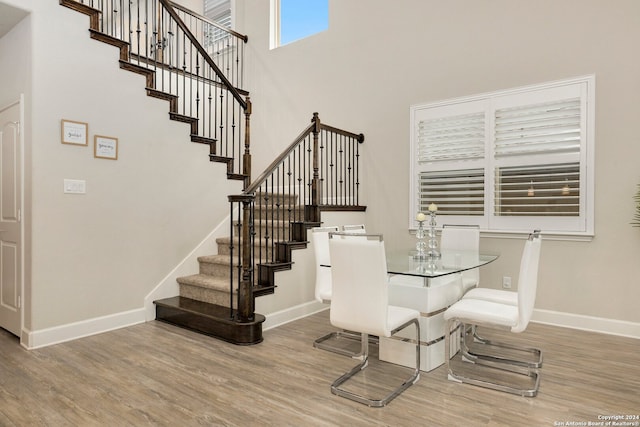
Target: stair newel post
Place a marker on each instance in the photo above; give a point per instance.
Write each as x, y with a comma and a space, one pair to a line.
232, 233
312, 210
246, 158
245, 292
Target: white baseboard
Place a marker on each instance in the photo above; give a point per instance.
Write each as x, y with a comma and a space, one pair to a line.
282, 317
59, 334
547, 317
587, 323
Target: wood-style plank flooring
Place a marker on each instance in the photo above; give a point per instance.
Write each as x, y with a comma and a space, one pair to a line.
158, 375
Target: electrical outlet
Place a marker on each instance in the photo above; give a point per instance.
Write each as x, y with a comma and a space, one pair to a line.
506, 282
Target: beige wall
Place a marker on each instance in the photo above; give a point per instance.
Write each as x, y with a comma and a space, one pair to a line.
194, 5
376, 60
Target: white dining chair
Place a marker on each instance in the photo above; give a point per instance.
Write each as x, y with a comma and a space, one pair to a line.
462, 238
469, 311
323, 291
360, 303
532, 357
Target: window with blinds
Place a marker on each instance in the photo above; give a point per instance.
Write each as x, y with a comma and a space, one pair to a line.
512, 160
457, 192
541, 128
447, 138
218, 11
540, 190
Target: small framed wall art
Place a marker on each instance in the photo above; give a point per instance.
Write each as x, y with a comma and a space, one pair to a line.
105, 147
75, 133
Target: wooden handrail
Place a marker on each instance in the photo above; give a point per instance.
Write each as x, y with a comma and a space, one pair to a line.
359, 137
255, 184
269, 170
168, 6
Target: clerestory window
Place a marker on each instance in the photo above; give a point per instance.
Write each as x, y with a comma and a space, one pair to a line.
292, 20
508, 161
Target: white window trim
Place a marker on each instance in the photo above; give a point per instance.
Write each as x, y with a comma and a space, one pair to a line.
274, 24
587, 161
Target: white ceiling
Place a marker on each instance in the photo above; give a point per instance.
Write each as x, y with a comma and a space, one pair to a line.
9, 17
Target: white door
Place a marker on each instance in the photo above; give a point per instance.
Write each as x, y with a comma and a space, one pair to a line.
10, 218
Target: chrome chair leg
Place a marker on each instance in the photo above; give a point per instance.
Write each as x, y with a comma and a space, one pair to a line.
489, 364
534, 361
322, 344
335, 387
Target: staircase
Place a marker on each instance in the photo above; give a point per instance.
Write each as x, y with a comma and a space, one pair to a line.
318, 171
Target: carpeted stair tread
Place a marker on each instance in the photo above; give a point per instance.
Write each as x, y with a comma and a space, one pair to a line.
205, 281
215, 259
225, 241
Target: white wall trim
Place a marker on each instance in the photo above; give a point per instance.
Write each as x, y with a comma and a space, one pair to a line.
59, 334
287, 315
71, 331
587, 323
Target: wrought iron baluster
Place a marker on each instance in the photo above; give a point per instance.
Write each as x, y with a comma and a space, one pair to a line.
236, 154
357, 190
138, 30
221, 123
341, 163
349, 177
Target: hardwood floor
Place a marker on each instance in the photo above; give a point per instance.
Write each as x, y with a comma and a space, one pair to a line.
157, 374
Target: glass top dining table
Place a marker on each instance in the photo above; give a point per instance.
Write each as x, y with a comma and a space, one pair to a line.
450, 262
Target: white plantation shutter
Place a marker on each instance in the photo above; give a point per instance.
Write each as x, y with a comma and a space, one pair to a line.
456, 192
509, 160
534, 134
459, 137
543, 128
219, 11
540, 190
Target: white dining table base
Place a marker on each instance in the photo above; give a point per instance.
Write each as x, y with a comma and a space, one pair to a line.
430, 298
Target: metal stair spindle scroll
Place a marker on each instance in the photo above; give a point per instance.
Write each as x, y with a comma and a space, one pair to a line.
318, 171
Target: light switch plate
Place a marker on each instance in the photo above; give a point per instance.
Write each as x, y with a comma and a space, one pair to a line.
75, 186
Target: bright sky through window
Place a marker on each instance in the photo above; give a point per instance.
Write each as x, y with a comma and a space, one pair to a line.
302, 18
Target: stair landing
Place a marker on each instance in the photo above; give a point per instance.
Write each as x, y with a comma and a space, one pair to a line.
210, 319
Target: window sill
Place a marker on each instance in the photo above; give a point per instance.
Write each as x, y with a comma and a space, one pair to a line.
566, 237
